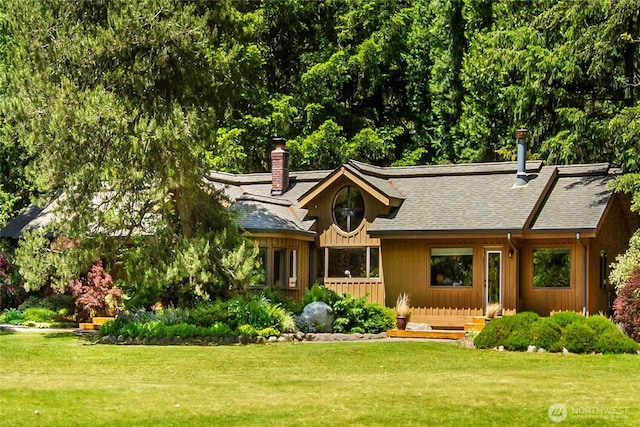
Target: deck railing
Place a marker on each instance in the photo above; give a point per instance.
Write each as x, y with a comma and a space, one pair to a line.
448, 316
373, 289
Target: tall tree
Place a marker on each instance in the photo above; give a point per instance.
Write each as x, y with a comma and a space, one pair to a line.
117, 105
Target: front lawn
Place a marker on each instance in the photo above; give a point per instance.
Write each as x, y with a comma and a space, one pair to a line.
53, 379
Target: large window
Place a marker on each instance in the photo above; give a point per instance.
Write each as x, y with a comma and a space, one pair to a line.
353, 262
552, 268
452, 267
277, 268
348, 209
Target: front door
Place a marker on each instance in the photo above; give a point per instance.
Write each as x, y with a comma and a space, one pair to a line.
493, 276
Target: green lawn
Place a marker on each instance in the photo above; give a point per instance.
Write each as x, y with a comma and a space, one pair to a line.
53, 379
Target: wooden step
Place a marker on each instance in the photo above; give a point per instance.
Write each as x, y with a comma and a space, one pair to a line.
89, 326
479, 320
435, 333
101, 320
473, 326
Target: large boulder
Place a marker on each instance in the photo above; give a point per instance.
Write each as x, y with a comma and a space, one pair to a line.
317, 317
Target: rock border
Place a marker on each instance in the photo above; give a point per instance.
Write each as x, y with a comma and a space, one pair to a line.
243, 339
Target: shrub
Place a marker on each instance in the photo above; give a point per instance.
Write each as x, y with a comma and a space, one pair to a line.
627, 307
220, 329
498, 330
288, 323
11, 292
13, 316
626, 265
256, 311
546, 333
62, 304
279, 298
320, 293
32, 301
112, 327
95, 293
172, 316
268, 332
614, 341
356, 315
209, 314
564, 318
601, 324
578, 337
247, 330
39, 315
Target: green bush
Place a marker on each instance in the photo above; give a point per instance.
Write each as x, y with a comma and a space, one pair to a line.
357, 315
210, 314
601, 324
322, 294
546, 333
578, 337
496, 332
220, 329
173, 316
112, 327
614, 341
268, 332
564, 318
288, 323
62, 304
32, 301
39, 315
247, 331
12, 316
256, 311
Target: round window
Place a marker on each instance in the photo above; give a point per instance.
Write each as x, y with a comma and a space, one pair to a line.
348, 209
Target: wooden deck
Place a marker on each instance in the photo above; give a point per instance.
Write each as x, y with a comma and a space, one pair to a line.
477, 324
95, 324
448, 334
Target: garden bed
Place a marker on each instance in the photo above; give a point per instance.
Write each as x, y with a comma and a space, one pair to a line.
242, 339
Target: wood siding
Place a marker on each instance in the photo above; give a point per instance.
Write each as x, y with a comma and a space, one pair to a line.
302, 247
373, 289
329, 235
407, 265
545, 300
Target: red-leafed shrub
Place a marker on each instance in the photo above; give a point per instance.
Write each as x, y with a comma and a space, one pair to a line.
95, 294
627, 306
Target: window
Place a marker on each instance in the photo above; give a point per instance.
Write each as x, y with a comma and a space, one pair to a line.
552, 268
348, 209
293, 268
604, 269
452, 267
279, 268
353, 262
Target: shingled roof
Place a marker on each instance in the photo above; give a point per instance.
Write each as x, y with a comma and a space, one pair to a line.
430, 200
441, 199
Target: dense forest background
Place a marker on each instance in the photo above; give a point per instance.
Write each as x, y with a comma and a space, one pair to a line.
131, 93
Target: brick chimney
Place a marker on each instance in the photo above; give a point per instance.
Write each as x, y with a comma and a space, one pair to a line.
279, 168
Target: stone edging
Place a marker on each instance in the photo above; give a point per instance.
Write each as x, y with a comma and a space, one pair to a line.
242, 339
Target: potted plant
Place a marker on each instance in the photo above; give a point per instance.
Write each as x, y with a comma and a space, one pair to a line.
403, 312
493, 311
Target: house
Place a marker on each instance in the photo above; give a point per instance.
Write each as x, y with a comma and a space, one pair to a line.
530, 236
